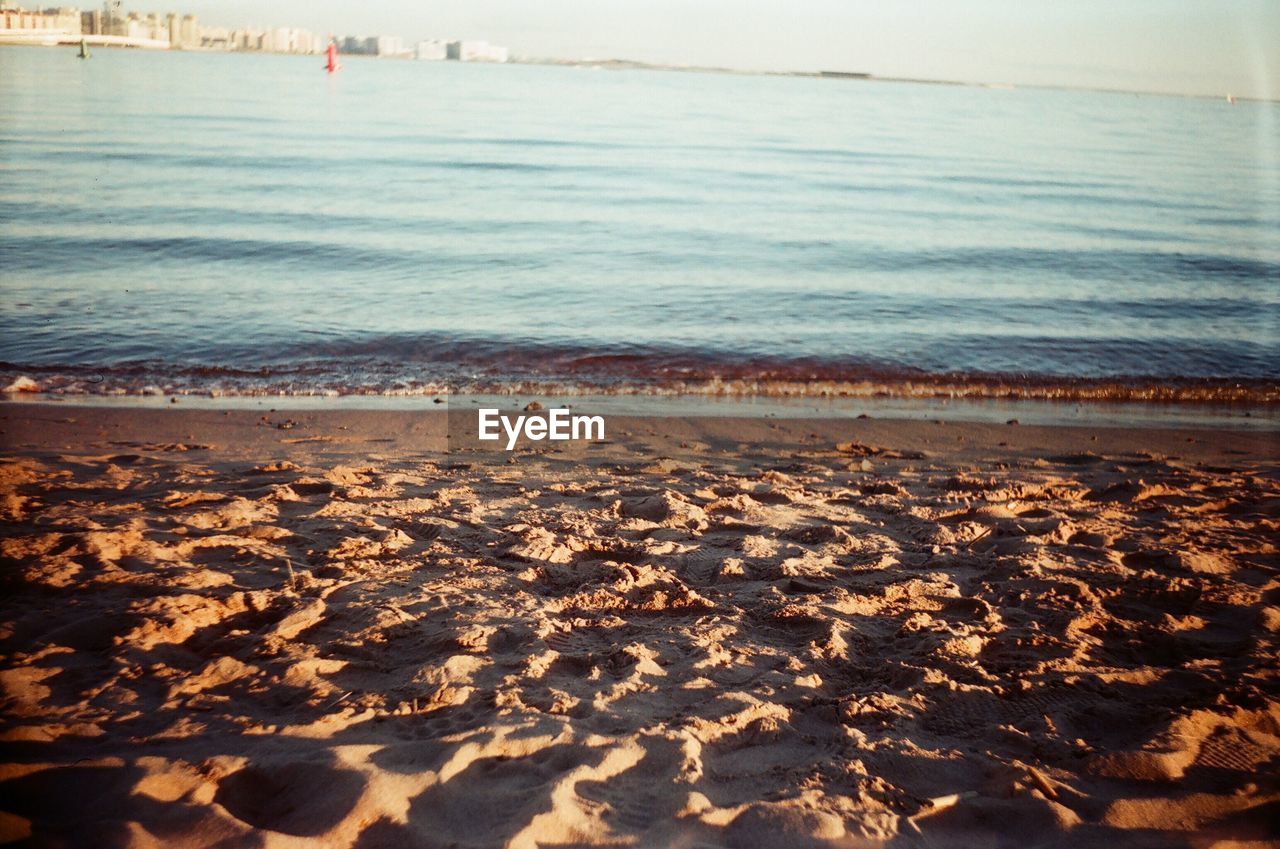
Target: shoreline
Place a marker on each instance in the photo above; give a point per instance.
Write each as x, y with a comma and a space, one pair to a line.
308, 433
225, 433
576, 373
636, 65
1259, 418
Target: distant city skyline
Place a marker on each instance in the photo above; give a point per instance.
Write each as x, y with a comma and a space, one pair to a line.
1176, 46
112, 25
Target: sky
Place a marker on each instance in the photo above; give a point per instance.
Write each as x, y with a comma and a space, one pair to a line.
1184, 46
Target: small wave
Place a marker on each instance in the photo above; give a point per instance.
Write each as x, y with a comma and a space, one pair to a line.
312, 380
69, 253
268, 164
88, 254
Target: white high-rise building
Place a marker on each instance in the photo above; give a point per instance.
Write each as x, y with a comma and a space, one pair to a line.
477, 51
156, 29
431, 50
189, 31
390, 45
304, 41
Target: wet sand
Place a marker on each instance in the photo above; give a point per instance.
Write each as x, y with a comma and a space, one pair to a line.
365, 629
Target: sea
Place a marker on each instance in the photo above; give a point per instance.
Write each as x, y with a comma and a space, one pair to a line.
248, 225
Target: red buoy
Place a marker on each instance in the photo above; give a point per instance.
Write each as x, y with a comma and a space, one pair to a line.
331, 56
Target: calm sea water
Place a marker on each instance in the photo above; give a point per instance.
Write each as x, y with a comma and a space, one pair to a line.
189, 222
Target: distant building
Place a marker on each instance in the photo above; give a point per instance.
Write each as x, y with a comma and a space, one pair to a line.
432, 50
219, 38
282, 40
368, 46
391, 45
16, 21
113, 20
156, 28
305, 41
476, 51
111, 26
189, 32
149, 28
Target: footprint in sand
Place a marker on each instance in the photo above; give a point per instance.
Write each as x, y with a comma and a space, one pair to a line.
292, 797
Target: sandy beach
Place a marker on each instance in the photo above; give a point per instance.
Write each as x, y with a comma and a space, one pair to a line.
365, 629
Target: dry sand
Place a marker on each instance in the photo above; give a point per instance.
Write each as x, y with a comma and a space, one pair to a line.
217, 631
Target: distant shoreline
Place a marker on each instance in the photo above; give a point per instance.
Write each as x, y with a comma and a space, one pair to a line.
633, 65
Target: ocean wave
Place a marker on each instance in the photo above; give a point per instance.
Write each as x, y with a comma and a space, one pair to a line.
699, 249
605, 379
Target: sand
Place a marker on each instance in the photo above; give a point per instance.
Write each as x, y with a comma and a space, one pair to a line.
344, 629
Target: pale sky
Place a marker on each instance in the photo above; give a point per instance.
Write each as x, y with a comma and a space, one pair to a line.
1185, 46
